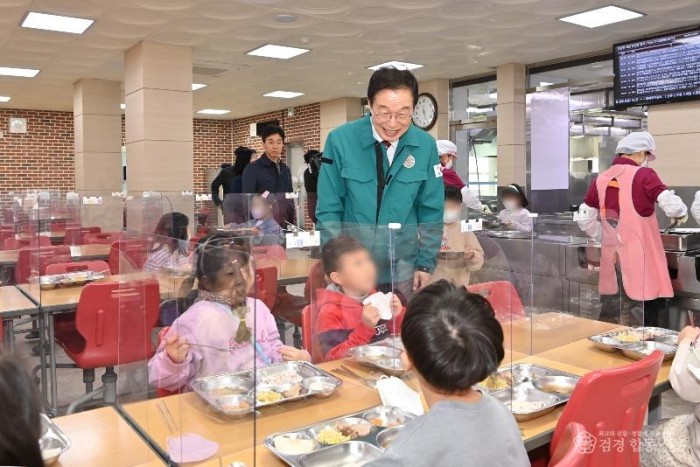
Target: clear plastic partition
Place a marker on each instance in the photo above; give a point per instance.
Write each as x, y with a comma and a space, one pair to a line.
143, 211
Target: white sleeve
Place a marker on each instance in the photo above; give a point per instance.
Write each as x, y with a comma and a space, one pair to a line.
522, 221
695, 208
587, 219
671, 204
471, 200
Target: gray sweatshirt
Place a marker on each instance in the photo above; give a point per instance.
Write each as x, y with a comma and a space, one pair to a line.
459, 434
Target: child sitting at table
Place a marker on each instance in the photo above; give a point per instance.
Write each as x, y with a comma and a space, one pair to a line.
215, 335
263, 224
168, 245
343, 322
452, 341
460, 252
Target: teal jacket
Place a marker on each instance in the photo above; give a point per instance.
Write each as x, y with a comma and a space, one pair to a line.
413, 197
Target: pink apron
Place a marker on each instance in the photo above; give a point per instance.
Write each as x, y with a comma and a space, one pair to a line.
635, 242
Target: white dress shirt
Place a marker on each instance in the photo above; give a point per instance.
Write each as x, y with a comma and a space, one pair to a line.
391, 150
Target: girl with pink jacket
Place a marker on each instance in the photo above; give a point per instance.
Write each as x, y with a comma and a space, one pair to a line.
223, 331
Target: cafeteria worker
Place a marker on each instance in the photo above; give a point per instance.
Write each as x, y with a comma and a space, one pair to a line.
629, 191
379, 170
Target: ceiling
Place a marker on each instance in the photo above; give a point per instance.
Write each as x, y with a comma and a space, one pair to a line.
452, 38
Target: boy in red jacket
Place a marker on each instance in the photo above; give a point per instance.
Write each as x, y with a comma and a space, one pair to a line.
343, 322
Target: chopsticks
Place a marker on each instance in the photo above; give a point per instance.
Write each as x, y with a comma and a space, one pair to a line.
691, 318
167, 417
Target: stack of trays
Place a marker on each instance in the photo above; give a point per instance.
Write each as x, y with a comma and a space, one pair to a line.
350, 440
530, 391
637, 343
53, 442
238, 394
382, 357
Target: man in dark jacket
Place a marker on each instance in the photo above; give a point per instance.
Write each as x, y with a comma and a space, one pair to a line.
270, 174
230, 181
313, 160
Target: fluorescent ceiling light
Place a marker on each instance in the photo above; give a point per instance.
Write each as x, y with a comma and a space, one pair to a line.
213, 111
5, 98
122, 106
601, 16
284, 94
493, 94
545, 83
22, 72
196, 86
46, 22
277, 51
479, 110
396, 64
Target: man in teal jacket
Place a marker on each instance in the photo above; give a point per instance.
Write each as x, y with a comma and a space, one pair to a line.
382, 170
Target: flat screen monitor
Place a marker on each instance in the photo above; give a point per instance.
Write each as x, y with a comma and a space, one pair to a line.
657, 70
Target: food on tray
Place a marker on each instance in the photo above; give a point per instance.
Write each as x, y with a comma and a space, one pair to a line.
266, 397
381, 423
496, 382
290, 446
293, 391
353, 430
282, 377
629, 336
525, 406
320, 386
330, 435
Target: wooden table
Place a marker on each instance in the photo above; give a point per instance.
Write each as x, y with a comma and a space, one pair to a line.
9, 258
102, 438
13, 304
290, 271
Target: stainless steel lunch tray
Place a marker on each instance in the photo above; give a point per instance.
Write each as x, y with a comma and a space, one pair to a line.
665, 340
333, 455
69, 279
208, 388
510, 234
382, 357
681, 240
524, 381
393, 341
51, 435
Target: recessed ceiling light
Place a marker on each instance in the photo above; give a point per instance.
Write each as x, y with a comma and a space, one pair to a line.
396, 64
21, 72
493, 94
284, 94
5, 98
285, 18
213, 111
196, 86
474, 47
277, 51
55, 23
122, 106
601, 16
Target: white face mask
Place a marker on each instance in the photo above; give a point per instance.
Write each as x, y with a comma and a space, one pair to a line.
257, 213
448, 164
645, 163
510, 205
452, 216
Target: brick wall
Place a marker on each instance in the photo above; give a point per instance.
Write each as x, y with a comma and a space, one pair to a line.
41, 158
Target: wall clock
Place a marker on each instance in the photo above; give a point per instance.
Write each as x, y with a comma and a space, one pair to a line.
426, 111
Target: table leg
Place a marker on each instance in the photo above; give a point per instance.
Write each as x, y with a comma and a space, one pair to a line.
52, 355
42, 359
654, 409
9, 337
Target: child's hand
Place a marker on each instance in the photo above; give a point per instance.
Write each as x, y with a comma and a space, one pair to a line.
688, 333
177, 348
396, 306
292, 353
469, 254
370, 315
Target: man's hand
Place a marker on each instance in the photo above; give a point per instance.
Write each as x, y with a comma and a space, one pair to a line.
420, 279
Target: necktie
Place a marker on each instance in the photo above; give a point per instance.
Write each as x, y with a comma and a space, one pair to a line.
386, 144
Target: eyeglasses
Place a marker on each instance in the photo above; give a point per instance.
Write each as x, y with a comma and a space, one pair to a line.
386, 116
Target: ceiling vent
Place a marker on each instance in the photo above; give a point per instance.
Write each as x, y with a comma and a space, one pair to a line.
214, 69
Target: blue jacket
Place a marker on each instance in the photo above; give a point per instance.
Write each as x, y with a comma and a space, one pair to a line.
413, 195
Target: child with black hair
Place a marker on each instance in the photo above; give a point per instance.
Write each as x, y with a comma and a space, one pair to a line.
265, 228
224, 330
452, 341
343, 321
515, 216
460, 252
168, 246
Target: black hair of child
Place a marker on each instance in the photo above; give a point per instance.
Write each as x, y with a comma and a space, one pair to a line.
333, 251
452, 193
452, 337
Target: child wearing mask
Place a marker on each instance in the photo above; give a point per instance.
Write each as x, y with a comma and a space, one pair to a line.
343, 322
460, 252
515, 216
452, 341
263, 224
224, 330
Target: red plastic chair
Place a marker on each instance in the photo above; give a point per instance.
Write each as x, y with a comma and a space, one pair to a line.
34, 261
315, 281
307, 334
74, 234
127, 256
102, 238
4, 235
272, 252
611, 400
77, 266
502, 296
28, 242
113, 325
569, 452
265, 288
